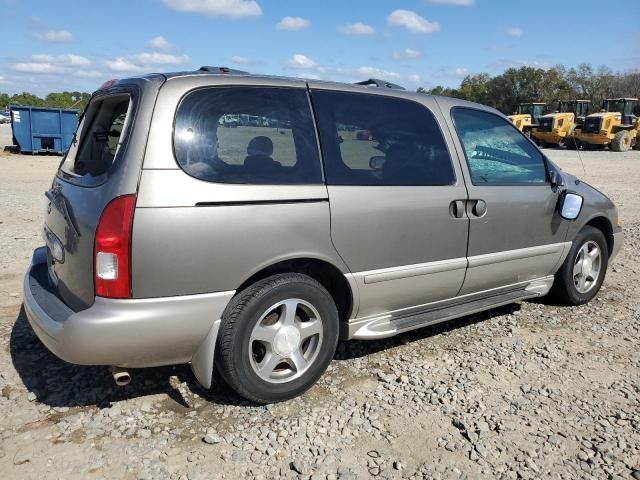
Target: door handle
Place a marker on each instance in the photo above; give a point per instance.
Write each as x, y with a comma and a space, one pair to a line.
478, 208
456, 208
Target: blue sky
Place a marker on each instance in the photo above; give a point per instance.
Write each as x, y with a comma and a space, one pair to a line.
49, 45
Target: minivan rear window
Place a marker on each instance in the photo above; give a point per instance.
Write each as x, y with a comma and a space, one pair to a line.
247, 135
98, 138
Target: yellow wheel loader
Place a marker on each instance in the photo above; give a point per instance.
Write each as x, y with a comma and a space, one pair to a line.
616, 125
556, 129
527, 116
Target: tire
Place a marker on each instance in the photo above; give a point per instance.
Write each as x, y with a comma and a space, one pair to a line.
566, 286
256, 332
621, 142
572, 143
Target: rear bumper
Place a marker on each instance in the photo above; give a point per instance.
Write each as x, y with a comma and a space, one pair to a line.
129, 333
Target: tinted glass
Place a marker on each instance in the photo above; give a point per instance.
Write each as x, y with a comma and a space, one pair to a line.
247, 135
497, 153
98, 138
376, 140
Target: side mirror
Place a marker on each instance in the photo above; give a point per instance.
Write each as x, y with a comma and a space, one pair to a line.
556, 179
570, 205
376, 162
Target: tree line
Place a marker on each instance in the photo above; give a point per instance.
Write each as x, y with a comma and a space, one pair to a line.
529, 84
77, 100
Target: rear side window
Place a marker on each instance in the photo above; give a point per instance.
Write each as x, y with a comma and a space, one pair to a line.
497, 153
378, 140
98, 138
255, 135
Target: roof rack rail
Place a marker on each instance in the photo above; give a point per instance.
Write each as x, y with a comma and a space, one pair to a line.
224, 70
380, 84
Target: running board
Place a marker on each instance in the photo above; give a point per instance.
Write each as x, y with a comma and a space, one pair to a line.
387, 325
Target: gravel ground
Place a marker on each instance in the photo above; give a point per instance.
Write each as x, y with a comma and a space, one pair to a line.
530, 390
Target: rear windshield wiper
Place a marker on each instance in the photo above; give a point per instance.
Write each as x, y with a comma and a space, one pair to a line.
54, 195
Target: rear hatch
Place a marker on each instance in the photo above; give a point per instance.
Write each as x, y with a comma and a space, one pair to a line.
103, 163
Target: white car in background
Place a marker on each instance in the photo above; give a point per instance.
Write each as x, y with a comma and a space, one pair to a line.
5, 117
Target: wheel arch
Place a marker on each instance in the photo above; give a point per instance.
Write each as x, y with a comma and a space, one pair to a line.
603, 224
325, 272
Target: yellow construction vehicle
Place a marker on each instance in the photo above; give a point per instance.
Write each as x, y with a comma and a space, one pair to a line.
617, 125
527, 116
557, 128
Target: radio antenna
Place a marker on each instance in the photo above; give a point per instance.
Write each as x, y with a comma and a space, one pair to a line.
577, 148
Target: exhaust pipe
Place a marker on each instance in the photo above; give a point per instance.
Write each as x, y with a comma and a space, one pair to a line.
120, 376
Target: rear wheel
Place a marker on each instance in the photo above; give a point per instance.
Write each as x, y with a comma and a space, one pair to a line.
277, 337
621, 142
582, 273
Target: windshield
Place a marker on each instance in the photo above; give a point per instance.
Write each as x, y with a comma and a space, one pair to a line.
531, 109
567, 107
98, 138
614, 106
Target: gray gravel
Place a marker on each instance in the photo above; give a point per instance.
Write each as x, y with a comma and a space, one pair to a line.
530, 390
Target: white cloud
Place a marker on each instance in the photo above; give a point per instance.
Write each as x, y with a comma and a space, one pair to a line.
358, 29
407, 54
293, 23
310, 76
238, 60
160, 43
158, 58
412, 22
414, 78
459, 72
54, 36
145, 61
457, 3
120, 64
301, 61
373, 72
89, 74
37, 67
49, 64
515, 32
218, 8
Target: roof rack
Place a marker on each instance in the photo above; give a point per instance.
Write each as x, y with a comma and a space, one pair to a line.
380, 84
223, 70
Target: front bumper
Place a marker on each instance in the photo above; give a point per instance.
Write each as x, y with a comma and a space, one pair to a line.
594, 138
549, 137
617, 245
129, 333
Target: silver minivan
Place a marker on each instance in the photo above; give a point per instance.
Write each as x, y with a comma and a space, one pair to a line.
246, 223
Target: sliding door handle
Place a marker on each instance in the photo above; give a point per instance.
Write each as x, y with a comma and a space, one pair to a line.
456, 208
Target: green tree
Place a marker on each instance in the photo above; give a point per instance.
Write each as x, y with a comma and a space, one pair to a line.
475, 87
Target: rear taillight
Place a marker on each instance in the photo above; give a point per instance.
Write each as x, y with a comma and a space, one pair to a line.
112, 249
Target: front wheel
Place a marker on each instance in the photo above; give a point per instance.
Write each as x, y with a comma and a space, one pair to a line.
277, 337
582, 273
621, 141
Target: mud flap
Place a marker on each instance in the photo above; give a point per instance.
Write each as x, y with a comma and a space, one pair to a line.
202, 360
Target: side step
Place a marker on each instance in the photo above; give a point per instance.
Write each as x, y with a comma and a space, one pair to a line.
387, 326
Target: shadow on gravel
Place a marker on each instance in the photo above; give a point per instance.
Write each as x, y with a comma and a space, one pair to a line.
60, 384
361, 348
